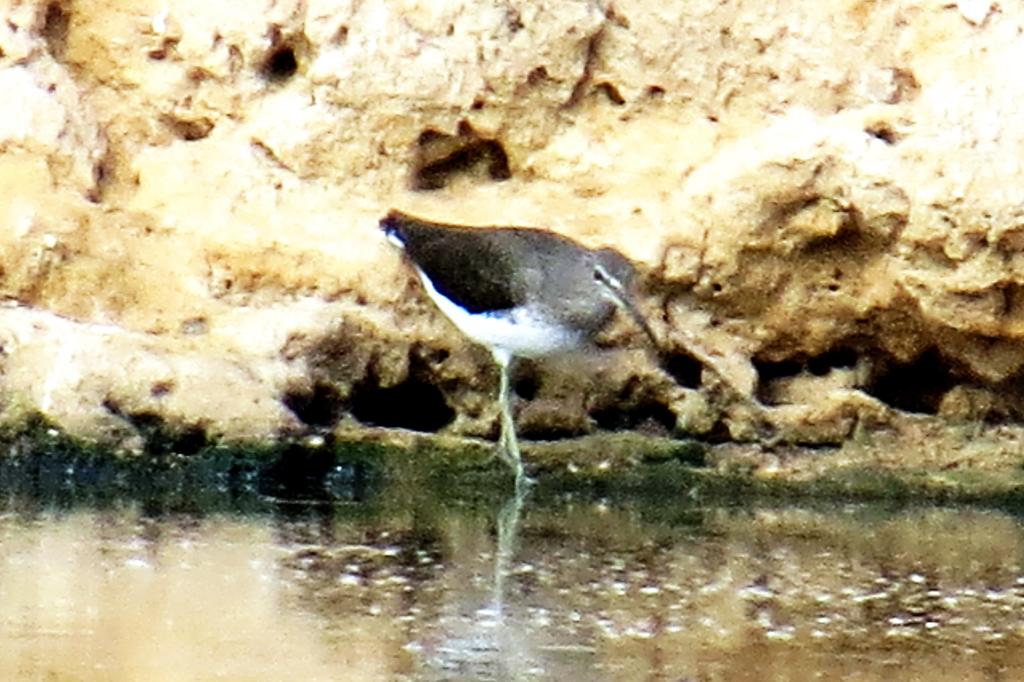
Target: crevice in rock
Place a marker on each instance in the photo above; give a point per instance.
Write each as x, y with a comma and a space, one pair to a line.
648, 416
160, 436
514, 20
881, 130
102, 176
167, 46
537, 76
851, 241
280, 63
1013, 301
319, 405
526, 385
416, 403
189, 129
612, 93
160, 389
267, 152
616, 18
635, 409
284, 58
56, 23
440, 157
582, 85
342, 358
719, 433
683, 368
842, 356
769, 370
781, 210
915, 386
413, 404
905, 86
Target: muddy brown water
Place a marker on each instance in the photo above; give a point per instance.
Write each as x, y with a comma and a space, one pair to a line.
557, 589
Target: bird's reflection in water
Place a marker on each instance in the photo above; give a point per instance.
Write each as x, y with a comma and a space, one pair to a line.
493, 644
508, 532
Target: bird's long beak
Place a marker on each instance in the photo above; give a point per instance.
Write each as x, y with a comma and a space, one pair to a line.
641, 322
624, 300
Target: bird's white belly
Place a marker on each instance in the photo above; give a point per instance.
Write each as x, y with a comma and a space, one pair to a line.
520, 332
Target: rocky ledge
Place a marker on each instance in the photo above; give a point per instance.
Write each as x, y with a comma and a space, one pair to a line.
825, 198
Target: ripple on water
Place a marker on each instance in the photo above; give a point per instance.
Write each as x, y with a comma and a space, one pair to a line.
608, 595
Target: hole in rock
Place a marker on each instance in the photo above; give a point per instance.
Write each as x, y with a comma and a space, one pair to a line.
167, 45
413, 404
612, 93
440, 157
820, 365
884, 132
514, 20
281, 61
537, 75
161, 389
904, 85
188, 129
769, 371
685, 369
280, 64
320, 406
161, 437
102, 175
646, 415
55, 29
431, 358
526, 385
916, 386
719, 433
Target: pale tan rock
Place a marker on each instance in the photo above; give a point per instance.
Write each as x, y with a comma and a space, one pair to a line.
192, 191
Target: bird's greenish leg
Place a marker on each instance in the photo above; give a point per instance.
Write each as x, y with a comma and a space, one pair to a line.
508, 444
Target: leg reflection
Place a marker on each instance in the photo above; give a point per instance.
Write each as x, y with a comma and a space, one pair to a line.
508, 530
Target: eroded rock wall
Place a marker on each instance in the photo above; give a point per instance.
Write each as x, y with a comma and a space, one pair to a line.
826, 197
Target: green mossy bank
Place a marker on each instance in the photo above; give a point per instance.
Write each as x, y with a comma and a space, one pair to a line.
931, 462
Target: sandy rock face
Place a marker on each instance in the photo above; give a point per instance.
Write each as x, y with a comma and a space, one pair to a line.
825, 199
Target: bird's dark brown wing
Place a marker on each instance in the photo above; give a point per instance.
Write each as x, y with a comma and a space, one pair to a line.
470, 266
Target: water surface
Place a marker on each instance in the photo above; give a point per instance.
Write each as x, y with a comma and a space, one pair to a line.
406, 587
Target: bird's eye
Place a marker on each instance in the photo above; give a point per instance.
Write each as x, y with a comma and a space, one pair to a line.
604, 277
